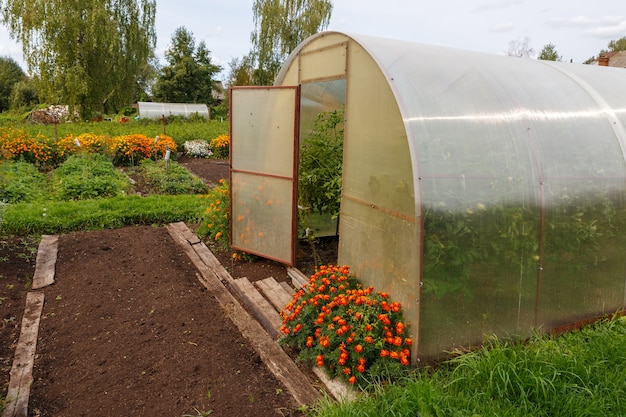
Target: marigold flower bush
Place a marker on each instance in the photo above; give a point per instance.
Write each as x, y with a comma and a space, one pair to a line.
133, 148
220, 146
216, 219
353, 332
15, 144
85, 142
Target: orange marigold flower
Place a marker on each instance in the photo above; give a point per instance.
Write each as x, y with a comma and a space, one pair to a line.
347, 371
384, 353
358, 348
352, 380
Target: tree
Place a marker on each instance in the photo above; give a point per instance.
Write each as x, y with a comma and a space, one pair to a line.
85, 54
188, 77
614, 46
10, 74
520, 48
24, 95
280, 26
241, 72
549, 53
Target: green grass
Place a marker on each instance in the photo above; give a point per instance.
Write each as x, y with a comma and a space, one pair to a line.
67, 216
577, 374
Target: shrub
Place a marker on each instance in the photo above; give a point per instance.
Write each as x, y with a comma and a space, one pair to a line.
21, 182
351, 331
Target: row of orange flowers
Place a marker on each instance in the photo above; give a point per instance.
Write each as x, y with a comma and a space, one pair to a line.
15, 144
349, 330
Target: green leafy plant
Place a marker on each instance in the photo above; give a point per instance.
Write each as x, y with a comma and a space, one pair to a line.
216, 219
85, 176
168, 177
21, 182
321, 162
352, 332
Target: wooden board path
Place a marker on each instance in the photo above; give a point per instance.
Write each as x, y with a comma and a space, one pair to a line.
215, 278
46, 261
21, 376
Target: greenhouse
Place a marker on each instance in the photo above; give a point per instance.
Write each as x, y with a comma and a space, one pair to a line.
485, 193
153, 110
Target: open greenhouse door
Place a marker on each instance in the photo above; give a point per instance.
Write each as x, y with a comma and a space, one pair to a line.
264, 129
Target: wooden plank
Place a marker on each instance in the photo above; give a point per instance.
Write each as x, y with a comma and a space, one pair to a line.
288, 288
187, 234
21, 376
46, 261
264, 311
276, 360
298, 279
339, 389
273, 291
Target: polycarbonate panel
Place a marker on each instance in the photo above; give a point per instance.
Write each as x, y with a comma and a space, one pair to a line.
480, 260
382, 250
264, 129
263, 140
584, 268
261, 211
329, 62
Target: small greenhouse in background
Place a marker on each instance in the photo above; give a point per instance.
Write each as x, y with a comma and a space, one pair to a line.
485, 193
153, 110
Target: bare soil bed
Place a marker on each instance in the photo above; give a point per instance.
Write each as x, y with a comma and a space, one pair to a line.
127, 329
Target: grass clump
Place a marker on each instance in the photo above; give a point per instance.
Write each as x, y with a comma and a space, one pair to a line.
170, 178
576, 374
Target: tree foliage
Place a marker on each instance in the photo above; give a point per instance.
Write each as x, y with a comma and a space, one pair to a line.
10, 74
280, 26
549, 53
86, 54
614, 46
521, 48
188, 77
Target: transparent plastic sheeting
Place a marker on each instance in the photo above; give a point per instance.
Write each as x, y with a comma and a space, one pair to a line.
151, 110
262, 163
487, 193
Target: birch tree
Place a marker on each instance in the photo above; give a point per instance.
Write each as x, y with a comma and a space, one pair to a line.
280, 26
87, 54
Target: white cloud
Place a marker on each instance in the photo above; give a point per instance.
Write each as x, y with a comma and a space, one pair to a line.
608, 31
487, 5
584, 21
502, 27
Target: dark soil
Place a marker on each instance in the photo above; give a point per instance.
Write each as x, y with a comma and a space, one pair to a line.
127, 329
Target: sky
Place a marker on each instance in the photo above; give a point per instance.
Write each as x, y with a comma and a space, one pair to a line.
578, 29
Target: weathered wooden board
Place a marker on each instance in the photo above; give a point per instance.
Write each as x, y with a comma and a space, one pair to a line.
265, 312
46, 261
277, 361
21, 376
274, 292
298, 279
